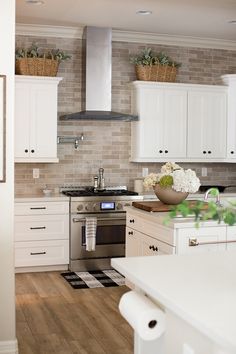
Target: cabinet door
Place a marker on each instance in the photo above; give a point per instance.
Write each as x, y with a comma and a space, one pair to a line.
153, 247
161, 131
43, 128
206, 124
204, 239
174, 123
132, 243
231, 236
22, 121
36, 119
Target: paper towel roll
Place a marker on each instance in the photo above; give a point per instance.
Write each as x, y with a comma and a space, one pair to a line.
143, 315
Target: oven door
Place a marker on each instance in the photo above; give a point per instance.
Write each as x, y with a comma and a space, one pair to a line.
110, 236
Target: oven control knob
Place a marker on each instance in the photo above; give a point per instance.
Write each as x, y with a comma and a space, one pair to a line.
119, 206
80, 207
87, 207
96, 207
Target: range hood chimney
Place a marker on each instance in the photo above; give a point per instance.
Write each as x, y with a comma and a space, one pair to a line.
98, 52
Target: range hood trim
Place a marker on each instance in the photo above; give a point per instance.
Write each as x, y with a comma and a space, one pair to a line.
97, 84
99, 115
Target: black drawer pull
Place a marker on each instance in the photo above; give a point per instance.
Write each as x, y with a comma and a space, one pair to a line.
209, 152
37, 253
166, 151
26, 150
38, 228
130, 233
232, 152
131, 220
32, 150
160, 151
204, 152
38, 208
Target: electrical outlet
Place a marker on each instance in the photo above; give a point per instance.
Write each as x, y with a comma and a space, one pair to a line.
204, 171
187, 349
145, 172
35, 172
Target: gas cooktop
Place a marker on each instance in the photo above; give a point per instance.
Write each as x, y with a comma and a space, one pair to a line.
91, 192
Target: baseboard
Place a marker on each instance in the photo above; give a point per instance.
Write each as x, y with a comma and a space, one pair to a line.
41, 269
9, 347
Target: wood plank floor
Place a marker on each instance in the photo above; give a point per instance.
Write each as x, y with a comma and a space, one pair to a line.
52, 317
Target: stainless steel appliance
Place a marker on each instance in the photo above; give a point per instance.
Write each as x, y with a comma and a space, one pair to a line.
108, 207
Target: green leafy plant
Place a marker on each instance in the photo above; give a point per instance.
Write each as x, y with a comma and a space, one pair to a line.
35, 52
148, 57
212, 212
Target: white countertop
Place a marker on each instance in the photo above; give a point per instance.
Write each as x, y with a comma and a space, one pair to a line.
41, 198
200, 289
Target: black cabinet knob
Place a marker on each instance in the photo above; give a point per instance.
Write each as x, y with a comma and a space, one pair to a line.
209, 152
26, 150
232, 152
166, 151
160, 151
131, 220
204, 152
130, 233
150, 247
32, 151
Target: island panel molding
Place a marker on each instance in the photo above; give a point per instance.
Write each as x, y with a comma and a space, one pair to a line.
2, 128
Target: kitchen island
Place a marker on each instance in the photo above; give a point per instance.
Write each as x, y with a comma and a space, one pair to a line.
197, 293
147, 234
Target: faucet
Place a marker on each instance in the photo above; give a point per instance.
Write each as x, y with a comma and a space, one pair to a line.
218, 202
101, 180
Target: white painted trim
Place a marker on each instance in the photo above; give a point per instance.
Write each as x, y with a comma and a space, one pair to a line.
48, 31
9, 347
41, 269
126, 36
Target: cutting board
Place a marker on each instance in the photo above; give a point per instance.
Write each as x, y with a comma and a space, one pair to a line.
157, 206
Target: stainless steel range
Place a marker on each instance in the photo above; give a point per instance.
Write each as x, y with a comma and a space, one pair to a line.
107, 206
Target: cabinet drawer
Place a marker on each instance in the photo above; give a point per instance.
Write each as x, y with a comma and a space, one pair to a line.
208, 239
41, 208
132, 243
39, 253
133, 222
159, 232
153, 247
41, 227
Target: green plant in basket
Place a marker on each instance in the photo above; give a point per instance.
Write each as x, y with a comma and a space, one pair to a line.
35, 52
148, 57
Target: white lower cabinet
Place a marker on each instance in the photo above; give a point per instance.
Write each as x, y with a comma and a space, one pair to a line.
147, 237
41, 233
41, 253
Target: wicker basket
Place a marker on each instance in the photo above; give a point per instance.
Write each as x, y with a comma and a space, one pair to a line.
163, 73
37, 66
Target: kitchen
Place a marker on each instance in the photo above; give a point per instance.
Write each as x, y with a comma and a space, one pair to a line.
107, 144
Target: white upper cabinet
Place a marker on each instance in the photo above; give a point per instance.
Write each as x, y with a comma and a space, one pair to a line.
230, 80
163, 113
36, 118
207, 120
180, 122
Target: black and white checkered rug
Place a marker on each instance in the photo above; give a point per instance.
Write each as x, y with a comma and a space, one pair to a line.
94, 279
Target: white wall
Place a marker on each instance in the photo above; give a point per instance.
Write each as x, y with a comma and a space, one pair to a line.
7, 288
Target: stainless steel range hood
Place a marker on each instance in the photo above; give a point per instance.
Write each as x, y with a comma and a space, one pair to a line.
96, 87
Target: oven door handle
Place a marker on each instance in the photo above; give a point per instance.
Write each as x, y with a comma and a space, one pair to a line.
98, 219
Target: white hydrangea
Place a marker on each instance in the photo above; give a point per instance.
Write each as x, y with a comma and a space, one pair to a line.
169, 167
185, 181
151, 180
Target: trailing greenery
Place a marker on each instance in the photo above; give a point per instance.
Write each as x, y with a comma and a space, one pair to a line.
166, 181
148, 57
212, 212
35, 52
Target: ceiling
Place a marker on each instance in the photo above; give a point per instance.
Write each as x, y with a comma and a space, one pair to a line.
196, 18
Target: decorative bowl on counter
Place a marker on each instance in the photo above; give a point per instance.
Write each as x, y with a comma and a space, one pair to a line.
168, 195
